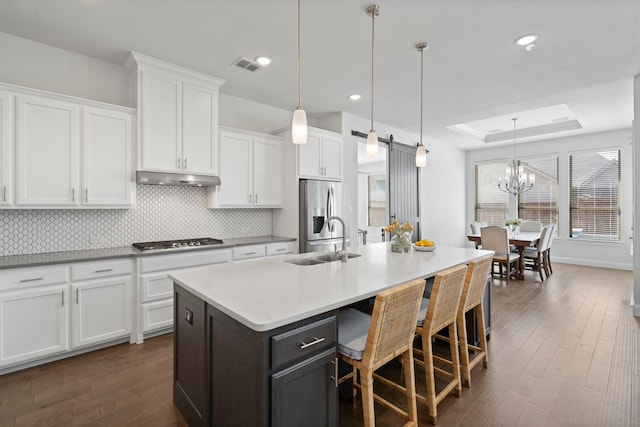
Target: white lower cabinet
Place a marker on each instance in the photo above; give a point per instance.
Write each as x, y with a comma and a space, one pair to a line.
34, 323
50, 310
155, 288
252, 252
101, 310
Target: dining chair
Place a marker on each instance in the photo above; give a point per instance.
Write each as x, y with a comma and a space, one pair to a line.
496, 239
547, 252
535, 226
441, 312
369, 342
475, 229
534, 257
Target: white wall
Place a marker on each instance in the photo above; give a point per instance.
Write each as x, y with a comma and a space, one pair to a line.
601, 254
442, 199
636, 198
39, 66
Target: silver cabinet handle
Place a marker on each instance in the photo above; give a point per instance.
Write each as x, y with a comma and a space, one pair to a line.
314, 342
103, 270
4, 193
249, 253
335, 378
73, 195
86, 195
77, 296
185, 163
249, 198
281, 249
255, 198
35, 279
178, 162
63, 298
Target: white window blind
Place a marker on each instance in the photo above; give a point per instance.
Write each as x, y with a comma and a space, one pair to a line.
492, 205
594, 200
541, 202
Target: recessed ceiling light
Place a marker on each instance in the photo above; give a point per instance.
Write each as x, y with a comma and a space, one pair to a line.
355, 96
527, 40
263, 60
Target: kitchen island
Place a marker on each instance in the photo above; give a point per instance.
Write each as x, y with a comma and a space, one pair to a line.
255, 342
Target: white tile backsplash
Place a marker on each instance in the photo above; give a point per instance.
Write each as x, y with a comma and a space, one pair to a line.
161, 213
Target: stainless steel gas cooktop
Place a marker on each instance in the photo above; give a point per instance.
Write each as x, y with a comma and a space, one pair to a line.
176, 244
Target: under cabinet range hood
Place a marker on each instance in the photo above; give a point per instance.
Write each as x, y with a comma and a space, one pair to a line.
183, 179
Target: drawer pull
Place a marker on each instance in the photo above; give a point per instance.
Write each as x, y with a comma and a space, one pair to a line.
35, 279
281, 249
249, 253
314, 342
105, 270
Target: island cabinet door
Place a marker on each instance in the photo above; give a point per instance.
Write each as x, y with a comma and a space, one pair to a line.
306, 394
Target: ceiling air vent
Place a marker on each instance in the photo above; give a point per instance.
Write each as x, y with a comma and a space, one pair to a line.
246, 64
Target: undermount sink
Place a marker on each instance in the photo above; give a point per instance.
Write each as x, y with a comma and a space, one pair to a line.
319, 259
333, 256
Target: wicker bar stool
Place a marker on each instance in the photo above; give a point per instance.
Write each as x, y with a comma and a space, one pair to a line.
441, 313
473, 297
369, 342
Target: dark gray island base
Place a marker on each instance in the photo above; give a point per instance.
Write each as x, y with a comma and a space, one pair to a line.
226, 374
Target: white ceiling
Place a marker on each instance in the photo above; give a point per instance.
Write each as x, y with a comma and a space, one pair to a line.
586, 57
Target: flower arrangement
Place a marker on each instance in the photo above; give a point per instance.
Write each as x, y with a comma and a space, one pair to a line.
400, 235
513, 221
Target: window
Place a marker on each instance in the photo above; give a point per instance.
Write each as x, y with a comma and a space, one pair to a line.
594, 198
377, 200
492, 205
541, 202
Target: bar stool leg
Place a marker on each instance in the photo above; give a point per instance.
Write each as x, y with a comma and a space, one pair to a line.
455, 360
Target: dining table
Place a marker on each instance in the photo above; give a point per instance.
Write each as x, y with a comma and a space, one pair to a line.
520, 240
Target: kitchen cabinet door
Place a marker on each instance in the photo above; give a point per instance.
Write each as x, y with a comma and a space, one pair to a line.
332, 157
309, 157
46, 152
235, 170
306, 394
107, 174
200, 129
6, 148
267, 172
34, 323
160, 122
101, 310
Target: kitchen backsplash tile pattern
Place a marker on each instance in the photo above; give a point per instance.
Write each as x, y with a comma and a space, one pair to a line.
161, 213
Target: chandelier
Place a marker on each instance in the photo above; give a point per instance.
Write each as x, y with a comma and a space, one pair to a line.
515, 180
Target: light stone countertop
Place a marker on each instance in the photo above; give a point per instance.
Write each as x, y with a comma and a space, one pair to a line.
266, 294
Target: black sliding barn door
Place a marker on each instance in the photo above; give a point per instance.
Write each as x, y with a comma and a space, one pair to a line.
404, 188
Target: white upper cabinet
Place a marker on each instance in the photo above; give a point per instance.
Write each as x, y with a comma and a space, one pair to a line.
6, 148
178, 117
250, 170
107, 177
321, 156
46, 152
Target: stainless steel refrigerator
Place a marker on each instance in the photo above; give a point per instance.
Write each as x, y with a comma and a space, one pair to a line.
318, 201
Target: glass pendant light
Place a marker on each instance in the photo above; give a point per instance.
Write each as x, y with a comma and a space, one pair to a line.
372, 137
299, 122
421, 152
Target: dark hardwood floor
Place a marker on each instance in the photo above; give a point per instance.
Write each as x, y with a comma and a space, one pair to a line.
565, 352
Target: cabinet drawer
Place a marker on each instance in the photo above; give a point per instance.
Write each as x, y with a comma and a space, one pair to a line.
155, 286
157, 315
33, 276
97, 269
279, 248
190, 259
303, 341
248, 252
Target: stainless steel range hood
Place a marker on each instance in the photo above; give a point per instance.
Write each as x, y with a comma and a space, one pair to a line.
183, 179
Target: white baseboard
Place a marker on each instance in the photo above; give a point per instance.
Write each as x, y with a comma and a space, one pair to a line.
593, 263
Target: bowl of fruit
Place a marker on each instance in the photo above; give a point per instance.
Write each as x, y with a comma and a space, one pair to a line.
425, 245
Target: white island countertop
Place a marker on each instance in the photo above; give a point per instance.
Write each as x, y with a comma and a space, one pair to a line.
270, 293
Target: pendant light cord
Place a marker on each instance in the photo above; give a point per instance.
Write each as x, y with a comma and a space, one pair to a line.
299, 44
373, 25
421, 88
514, 144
